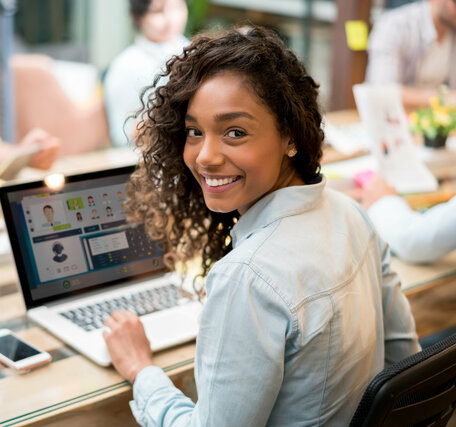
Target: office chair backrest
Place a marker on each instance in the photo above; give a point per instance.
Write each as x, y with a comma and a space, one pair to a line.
419, 390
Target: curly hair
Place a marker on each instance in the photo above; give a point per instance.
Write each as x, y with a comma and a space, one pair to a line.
162, 192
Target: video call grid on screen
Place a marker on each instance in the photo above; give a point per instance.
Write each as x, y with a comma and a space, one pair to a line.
78, 237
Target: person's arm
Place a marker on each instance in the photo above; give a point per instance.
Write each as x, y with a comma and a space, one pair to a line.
414, 98
416, 237
239, 362
399, 325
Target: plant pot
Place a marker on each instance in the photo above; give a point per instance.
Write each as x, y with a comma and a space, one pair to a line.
437, 142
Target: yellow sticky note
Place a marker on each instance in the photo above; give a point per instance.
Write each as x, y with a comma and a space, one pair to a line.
357, 35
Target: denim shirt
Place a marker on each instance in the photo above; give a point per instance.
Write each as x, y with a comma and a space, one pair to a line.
300, 316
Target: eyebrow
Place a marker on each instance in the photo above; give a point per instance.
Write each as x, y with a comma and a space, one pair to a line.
224, 117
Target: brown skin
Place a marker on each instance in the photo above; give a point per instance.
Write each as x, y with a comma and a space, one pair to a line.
127, 344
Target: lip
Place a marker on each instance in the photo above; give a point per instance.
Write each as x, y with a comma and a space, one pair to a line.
220, 188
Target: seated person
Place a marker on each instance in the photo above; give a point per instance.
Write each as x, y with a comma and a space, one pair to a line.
415, 46
302, 308
161, 24
43, 159
413, 236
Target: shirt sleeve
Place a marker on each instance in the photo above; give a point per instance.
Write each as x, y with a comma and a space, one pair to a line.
384, 54
401, 339
239, 361
413, 236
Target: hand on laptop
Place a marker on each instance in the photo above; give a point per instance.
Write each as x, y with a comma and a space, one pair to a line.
127, 344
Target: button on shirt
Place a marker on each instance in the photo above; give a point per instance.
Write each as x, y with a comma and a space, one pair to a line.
300, 315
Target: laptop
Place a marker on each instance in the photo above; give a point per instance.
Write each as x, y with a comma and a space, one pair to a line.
78, 260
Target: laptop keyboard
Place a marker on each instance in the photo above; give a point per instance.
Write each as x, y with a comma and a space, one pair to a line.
91, 317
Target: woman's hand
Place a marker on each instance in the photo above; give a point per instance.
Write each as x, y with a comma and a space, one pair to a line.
127, 344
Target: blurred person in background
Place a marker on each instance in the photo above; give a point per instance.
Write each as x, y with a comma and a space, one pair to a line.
415, 46
413, 236
161, 24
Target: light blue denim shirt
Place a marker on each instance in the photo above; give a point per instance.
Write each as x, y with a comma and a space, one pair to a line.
300, 315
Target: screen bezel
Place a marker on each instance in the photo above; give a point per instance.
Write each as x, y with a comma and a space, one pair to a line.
16, 250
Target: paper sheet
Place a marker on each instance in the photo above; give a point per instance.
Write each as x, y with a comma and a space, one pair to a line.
381, 110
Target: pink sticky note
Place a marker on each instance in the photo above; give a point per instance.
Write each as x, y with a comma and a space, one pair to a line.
363, 178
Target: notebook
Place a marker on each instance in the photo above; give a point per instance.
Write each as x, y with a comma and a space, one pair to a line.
78, 260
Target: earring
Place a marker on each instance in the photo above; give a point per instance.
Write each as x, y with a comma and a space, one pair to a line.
292, 151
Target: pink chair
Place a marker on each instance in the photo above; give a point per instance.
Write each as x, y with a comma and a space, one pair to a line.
42, 102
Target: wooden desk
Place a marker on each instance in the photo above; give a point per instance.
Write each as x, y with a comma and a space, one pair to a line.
74, 391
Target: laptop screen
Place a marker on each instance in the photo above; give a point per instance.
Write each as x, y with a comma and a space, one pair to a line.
76, 239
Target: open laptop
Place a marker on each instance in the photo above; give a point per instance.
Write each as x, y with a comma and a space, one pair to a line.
78, 260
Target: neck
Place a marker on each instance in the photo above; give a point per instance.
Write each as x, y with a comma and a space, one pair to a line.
440, 26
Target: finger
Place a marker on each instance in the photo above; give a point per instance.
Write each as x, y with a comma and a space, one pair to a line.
106, 332
109, 322
118, 315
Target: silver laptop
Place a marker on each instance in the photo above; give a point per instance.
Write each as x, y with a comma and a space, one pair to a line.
78, 260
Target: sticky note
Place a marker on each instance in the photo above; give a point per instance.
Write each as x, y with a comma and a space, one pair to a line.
357, 35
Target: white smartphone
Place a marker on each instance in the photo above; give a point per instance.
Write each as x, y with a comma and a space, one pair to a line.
20, 158
18, 354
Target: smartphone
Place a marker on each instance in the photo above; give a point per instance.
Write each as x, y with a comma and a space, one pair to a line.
18, 354
20, 158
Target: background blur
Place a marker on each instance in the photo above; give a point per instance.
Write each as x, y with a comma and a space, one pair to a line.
95, 31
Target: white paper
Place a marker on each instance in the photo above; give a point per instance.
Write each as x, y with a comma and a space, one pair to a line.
381, 110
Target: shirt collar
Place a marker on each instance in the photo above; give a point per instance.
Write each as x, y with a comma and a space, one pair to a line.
281, 203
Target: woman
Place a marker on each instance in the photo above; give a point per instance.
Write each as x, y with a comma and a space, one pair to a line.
302, 309
161, 25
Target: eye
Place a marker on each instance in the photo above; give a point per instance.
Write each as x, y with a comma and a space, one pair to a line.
192, 132
236, 133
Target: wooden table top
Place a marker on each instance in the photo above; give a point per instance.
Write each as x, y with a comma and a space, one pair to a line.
72, 384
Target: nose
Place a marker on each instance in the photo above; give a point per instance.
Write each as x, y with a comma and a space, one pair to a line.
210, 153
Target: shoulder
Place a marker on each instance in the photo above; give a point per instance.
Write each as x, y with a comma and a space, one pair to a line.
404, 14
402, 22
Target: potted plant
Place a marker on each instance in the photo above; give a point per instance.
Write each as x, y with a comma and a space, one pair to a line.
435, 122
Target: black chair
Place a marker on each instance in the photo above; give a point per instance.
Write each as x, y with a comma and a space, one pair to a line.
417, 391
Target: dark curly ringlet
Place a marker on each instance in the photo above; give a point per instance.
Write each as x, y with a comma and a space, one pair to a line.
163, 194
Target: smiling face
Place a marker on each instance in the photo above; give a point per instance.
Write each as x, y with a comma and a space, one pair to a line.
233, 147
164, 21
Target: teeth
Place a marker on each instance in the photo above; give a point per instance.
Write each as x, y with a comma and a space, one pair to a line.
218, 182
